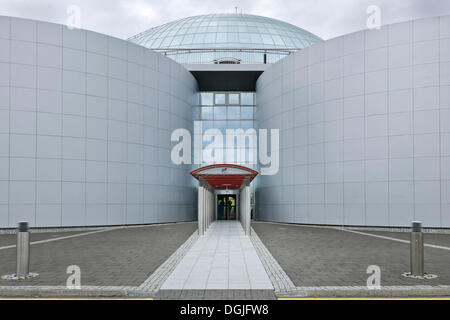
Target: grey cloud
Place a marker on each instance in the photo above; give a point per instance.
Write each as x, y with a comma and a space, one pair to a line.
124, 18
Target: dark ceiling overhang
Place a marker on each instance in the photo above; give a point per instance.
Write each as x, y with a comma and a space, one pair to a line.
226, 77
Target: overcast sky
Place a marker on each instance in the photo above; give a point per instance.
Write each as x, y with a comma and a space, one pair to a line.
125, 18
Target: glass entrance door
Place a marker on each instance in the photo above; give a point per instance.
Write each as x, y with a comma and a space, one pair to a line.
226, 207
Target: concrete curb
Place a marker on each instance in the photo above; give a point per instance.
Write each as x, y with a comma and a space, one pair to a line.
299, 293
362, 292
57, 293
64, 292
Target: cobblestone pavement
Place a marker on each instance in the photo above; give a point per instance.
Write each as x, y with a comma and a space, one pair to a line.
235, 294
279, 278
117, 257
160, 275
319, 256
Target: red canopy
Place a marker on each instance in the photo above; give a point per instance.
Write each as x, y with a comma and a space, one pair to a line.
224, 176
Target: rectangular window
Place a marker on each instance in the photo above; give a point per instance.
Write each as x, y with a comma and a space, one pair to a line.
220, 113
219, 98
234, 113
233, 98
206, 98
207, 113
247, 113
247, 98
226, 110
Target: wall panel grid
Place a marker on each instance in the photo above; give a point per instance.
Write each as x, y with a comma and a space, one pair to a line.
367, 138
85, 124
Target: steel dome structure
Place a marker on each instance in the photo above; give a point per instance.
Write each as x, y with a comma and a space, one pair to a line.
226, 38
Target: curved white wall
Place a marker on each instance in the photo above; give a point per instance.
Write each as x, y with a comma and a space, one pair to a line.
364, 125
85, 124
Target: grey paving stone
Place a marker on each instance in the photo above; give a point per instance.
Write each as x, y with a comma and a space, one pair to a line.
120, 257
315, 256
280, 280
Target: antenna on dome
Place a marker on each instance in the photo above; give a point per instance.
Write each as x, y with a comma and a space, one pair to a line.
235, 9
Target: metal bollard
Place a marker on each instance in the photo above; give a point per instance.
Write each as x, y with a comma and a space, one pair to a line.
23, 249
417, 252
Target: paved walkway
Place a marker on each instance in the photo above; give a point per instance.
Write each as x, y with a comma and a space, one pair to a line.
299, 261
222, 259
232, 294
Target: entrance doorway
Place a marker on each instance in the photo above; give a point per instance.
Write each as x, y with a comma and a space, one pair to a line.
223, 194
226, 207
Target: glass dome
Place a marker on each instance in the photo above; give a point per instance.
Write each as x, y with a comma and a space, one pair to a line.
226, 38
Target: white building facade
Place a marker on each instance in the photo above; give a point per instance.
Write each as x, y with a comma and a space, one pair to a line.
86, 120
365, 129
85, 125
